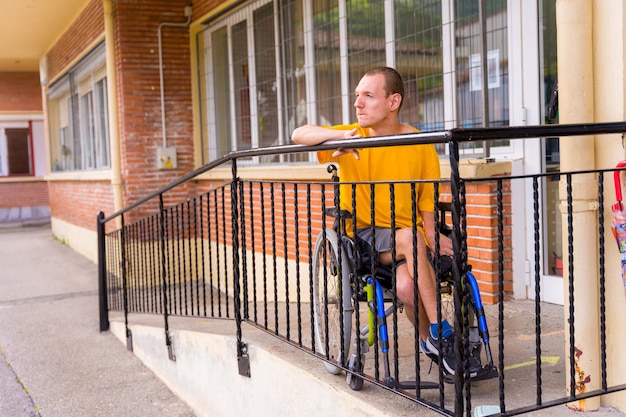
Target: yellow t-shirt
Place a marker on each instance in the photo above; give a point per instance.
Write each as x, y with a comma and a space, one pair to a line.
386, 164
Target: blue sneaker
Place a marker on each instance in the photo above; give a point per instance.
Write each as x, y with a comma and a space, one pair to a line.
424, 348
447, 354
432, 343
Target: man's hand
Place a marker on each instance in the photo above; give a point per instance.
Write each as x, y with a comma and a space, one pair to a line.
350, 134
445, 245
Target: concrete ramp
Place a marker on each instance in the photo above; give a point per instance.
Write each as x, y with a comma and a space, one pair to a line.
284, 381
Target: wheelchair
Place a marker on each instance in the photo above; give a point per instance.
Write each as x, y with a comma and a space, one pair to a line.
343, 278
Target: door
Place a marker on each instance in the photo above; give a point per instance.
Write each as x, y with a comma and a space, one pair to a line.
18, 152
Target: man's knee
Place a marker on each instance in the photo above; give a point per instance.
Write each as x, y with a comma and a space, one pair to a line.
405, 289
406, 238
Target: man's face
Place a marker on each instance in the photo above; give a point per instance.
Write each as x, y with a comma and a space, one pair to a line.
371, 102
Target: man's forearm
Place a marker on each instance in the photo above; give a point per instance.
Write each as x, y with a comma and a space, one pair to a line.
314, 135
429, 227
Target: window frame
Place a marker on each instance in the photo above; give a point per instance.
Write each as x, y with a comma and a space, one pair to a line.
452, 64
209, 120
79, 137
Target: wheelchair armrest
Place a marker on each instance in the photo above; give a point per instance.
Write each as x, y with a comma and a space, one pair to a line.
343, 214
444, 206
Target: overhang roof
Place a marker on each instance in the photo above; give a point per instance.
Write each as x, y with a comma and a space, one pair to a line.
29, 28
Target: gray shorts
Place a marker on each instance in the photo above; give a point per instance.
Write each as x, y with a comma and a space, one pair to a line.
365, 238
383, 238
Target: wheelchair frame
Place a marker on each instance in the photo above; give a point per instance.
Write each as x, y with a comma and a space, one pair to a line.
337, 285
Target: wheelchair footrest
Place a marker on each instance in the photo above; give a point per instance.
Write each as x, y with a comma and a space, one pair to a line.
486, 372
412, 385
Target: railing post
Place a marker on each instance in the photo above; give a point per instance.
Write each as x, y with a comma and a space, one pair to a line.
457, 267
162, 237
243, 361
244, 266
129, 335
102, 275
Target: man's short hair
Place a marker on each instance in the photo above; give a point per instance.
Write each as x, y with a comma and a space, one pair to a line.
393, 81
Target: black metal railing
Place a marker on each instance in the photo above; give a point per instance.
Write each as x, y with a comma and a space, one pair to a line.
243, 250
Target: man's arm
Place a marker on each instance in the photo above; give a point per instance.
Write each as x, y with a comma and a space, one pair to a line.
445, 243
314, 135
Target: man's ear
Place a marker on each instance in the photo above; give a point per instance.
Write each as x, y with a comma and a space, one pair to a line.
395, 100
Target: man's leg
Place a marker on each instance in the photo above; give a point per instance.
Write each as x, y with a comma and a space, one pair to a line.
404, 289
426, 283
425, 279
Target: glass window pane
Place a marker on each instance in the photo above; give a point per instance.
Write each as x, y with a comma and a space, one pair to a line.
78, 116
66, 150
266, 81
87, 124
294, 76
102, 126
271, 94
469, 40
327, 61
220, 142
58, 119
241, 76
419, 60
75, 131
553, 256
366, 38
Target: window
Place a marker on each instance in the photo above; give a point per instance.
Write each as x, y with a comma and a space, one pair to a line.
78, 118
272, 66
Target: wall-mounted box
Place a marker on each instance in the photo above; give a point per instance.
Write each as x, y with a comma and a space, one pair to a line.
166, 158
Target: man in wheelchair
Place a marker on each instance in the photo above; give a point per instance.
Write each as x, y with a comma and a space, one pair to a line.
378, 99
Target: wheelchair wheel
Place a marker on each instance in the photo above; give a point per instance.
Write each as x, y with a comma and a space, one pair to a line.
447, 302
332, 301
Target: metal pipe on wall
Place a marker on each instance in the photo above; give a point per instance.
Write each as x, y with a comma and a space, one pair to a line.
188, 12
116, 167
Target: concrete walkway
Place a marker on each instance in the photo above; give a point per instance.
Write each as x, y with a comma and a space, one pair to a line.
53, 360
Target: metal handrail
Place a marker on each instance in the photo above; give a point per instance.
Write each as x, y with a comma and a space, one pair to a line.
453, 135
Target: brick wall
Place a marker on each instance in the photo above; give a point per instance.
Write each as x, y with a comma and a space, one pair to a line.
202, 7
274, 228
136, 25
22, 199
482, 236
85, 30
20, 92
139, 95
23, 194
136, 28
79, 202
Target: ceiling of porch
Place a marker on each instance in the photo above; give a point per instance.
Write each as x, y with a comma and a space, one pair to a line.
28, 28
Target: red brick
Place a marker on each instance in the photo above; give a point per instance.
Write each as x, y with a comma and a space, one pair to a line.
23, 194
20, 92
85, 30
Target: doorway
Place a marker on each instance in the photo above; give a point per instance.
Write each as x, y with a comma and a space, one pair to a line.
18, 158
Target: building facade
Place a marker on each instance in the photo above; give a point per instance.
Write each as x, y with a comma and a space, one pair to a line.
23, 189
139, 93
